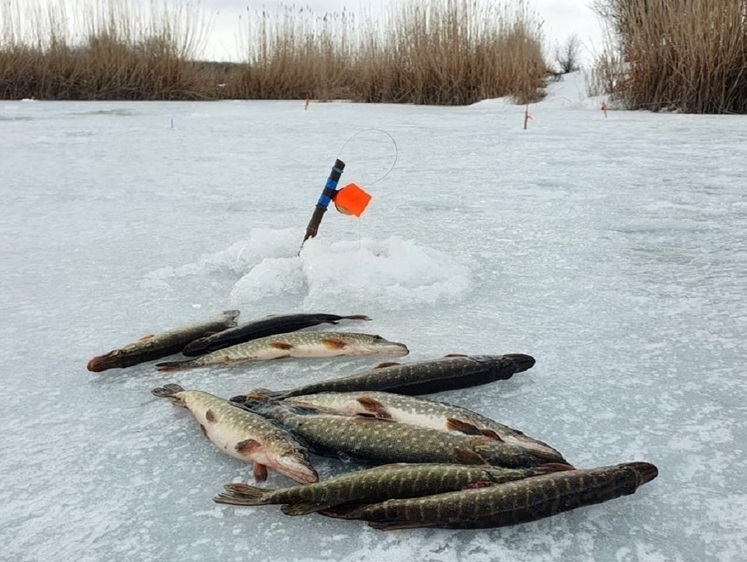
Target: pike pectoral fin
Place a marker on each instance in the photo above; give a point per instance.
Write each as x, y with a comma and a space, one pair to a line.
465, 456
281, 345
260, 472
375, 407
304, 508
148, 337
334, 343
386, 364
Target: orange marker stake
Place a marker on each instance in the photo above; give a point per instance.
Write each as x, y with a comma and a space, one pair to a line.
527, 117
352, 200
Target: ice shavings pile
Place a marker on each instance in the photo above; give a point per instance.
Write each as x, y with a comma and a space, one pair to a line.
393, 273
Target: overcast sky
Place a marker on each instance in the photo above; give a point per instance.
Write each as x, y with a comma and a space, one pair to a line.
561, 19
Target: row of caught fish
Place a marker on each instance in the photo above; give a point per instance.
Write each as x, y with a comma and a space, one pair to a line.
456, 468
220, 341
405, 496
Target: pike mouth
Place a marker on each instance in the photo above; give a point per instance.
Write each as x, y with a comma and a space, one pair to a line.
395, 349
102, 363
296, 469
523, 362
645, 471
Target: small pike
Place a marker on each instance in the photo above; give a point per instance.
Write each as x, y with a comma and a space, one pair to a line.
377, 441
425, 413
296, 344
424, 377
244, 435
511, 503
269, 326
162, 345
378, 484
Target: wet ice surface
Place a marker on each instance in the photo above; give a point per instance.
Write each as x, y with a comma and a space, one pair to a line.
613, 250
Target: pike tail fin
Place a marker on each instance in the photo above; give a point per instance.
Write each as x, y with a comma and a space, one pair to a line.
243, 494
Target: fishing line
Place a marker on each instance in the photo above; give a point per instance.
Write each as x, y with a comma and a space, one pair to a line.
391, 138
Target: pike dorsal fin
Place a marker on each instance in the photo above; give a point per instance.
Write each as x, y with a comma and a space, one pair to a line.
334, 343
456, 355
375, 407
466, 456
455, 424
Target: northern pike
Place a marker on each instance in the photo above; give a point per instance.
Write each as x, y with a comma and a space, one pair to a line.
269, 326
499, 505
158, 346
244, 435
378, 484
424, 377
378, 441
422, 412
295, 344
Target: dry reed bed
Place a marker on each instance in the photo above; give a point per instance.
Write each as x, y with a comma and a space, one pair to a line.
436, 52
686, 55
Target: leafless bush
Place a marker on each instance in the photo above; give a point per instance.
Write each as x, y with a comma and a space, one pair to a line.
568, 55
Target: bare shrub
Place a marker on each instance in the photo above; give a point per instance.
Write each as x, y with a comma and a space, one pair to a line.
568, 55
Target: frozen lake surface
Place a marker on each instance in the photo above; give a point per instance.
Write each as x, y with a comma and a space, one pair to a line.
612, 250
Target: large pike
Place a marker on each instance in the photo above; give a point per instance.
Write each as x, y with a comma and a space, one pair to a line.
158, 346
424, 377
423, 412
269, 326
378, 484
378, 441
500, 505
244, 435
295, 344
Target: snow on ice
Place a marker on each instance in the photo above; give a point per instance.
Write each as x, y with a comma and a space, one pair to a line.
613, 250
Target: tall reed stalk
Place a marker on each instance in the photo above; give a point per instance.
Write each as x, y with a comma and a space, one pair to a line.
423, 52
686, 55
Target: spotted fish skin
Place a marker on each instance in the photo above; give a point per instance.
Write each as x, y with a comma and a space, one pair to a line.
243, 435
377, 484
158, 346
520, 501
378, 441
269, 326
295, 344
425, 377
423, 412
